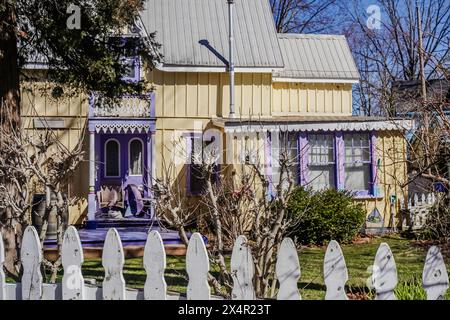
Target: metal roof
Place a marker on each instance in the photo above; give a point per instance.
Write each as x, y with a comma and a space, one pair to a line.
312, 56
194, 33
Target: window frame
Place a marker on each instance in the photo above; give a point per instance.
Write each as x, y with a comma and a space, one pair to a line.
105, 168
333, 164
189, 144
129, 157
370, 162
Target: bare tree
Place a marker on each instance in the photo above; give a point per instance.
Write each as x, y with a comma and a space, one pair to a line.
237, 200
304, 16
391, 52
34, 161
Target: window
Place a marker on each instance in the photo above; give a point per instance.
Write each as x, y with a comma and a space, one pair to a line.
135, 157
132, 69
321, 161
196, 177
284, 146
357, 162
112, 158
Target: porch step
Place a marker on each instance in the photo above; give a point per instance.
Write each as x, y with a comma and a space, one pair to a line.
123, 223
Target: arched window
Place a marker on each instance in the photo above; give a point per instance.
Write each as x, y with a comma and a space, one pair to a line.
136, 157
112, 158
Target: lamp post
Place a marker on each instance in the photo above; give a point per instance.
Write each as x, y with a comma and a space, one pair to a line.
231, 56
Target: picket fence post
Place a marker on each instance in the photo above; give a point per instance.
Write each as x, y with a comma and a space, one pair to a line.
335, 272
154, 263
384, 276
288, 271
242, 270
197, 268
2, 272
31, 257
113, 260
434, 276
72, 260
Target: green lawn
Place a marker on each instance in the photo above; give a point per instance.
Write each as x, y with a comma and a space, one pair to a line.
359, 257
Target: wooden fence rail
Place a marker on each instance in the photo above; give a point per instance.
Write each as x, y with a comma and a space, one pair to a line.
73, 287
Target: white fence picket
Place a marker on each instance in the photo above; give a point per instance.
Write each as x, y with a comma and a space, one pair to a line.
72, 260
2, 272
31, 257
435, 277
155, 263
288, 271
197, 268
384, 276
335, 272
113, 260
242, 270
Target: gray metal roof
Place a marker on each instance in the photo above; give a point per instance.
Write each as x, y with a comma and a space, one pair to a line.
312, 56
194, 33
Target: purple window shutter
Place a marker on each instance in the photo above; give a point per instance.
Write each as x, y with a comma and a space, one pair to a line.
340, 160
304, 153
374, 160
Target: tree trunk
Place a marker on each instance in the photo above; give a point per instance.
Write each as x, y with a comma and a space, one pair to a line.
9, 79
9, 121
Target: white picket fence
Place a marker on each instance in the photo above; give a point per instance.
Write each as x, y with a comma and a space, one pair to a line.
73, 286
418, 208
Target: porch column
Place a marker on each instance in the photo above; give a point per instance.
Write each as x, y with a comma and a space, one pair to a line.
92, 204
151, 167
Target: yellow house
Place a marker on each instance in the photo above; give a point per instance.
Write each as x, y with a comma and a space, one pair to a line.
290, 90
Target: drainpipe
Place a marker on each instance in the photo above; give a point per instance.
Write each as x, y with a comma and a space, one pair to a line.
231, 58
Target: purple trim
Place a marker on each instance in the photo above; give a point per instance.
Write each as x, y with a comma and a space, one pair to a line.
189, 137
304, 154
340, 160
124, 178
373, 157
368, 191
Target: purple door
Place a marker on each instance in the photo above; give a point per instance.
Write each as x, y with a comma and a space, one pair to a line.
123, 159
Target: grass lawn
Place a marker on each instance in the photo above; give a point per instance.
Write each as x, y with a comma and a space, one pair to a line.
359, 257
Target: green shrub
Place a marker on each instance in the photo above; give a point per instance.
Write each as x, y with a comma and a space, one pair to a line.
325, 215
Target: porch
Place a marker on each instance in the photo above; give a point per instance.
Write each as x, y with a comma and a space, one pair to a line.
121, 165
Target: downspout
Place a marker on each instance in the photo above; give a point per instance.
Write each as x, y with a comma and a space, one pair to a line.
231, 56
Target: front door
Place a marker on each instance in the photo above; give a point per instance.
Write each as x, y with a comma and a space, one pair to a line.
123, 159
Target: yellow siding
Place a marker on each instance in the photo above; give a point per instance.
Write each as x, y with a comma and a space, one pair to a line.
36, 102
391, 150
188, 101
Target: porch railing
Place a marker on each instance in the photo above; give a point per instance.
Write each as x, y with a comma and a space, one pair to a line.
129, 106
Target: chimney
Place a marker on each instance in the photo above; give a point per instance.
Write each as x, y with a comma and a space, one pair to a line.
231, 58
